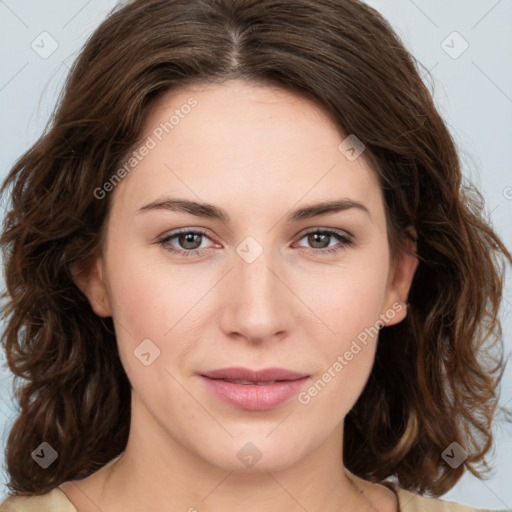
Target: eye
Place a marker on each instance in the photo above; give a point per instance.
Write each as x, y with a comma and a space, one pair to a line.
190, 241
320, 239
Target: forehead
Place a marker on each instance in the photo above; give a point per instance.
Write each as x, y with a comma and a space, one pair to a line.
249, 112
237, 141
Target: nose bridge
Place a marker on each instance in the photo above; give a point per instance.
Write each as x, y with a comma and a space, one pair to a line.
255, 279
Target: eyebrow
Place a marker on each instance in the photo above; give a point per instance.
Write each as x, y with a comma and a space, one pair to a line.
211, 211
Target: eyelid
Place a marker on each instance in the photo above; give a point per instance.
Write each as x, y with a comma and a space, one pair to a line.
322, 229
181, 231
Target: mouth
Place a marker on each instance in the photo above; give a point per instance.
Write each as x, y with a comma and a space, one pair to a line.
250, 382
252, 376
254, 390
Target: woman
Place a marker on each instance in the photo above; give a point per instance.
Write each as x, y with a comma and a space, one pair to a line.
242, 269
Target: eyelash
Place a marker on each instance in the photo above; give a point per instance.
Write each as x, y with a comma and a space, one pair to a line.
344, 239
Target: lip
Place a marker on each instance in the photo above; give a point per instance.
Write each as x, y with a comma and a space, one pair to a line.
263, 375
254, 397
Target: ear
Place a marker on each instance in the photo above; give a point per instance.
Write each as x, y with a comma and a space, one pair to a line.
399, 282
89, 280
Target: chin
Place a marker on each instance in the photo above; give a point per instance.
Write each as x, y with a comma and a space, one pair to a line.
256, 454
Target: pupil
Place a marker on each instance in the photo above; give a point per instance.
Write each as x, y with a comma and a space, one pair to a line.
315, 240
189, 239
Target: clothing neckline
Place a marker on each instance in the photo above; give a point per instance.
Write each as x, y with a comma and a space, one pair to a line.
393, 487
390, 485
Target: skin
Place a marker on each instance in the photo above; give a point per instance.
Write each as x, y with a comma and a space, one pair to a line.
258, 153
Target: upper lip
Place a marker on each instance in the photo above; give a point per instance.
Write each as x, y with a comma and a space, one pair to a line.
263, 375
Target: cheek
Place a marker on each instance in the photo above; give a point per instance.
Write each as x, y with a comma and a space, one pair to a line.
350, 308
347, 299
152, 301
149, 291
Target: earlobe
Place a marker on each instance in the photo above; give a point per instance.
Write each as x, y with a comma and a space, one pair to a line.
90, 281
400, 280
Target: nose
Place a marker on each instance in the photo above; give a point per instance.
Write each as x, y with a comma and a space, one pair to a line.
258, 304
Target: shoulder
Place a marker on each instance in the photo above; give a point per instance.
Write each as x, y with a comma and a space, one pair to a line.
53, 501
413, 502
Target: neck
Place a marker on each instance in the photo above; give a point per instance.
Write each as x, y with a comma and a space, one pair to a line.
157, 472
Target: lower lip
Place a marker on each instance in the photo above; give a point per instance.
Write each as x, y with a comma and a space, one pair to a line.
254, 397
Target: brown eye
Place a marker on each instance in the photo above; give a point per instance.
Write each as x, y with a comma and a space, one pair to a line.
320, 239
188, 242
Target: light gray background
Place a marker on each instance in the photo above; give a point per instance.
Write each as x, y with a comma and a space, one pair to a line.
472, 91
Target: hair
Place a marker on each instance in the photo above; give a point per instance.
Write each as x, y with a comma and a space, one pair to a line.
436, 374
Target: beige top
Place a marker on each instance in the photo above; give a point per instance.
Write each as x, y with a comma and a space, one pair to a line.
56, 501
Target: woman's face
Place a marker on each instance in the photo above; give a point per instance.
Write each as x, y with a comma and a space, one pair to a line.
246, 165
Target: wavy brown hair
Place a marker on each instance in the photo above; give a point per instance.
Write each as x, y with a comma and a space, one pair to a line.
437, 373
